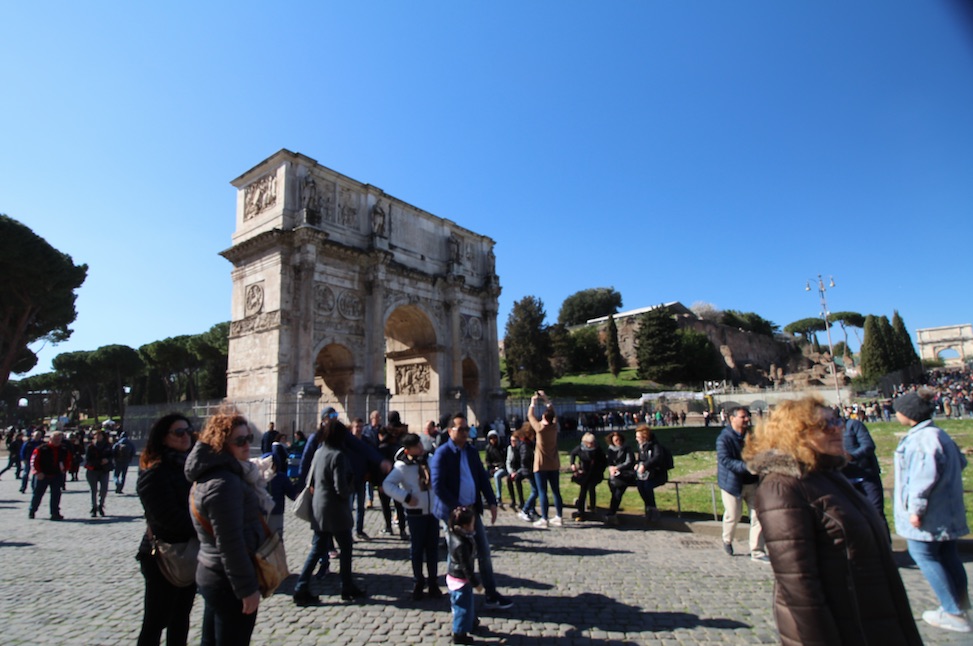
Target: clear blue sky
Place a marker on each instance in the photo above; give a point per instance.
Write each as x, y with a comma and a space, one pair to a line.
676, 150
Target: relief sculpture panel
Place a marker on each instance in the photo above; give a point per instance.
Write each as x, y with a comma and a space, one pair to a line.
260, 196
412, 379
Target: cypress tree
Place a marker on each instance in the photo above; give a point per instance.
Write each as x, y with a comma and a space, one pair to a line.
657, 346
907, 356
612, 350
874, 355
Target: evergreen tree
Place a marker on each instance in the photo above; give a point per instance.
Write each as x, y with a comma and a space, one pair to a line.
527, 345
589, 352
37, 295
657, 346
875, 352
562, 345
589, 304
612, 351
906, 354
700, 358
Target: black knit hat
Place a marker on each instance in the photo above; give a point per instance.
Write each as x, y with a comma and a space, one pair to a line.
917, 407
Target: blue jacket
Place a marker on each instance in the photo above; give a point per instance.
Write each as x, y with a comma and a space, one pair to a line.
861, 449
929, 482
444, 474
731, 470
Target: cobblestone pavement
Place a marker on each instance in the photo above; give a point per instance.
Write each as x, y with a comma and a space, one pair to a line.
76, 582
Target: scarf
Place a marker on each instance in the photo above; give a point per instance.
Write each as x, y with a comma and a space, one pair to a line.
253, 475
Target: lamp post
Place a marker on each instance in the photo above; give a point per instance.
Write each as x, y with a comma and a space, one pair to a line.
827, 328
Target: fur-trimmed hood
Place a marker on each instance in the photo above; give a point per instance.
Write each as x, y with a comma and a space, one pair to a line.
774, 461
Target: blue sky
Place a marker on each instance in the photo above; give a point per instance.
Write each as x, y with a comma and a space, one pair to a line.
695, 151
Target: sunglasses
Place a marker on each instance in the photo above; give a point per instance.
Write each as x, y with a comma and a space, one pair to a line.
180, 432
242, 440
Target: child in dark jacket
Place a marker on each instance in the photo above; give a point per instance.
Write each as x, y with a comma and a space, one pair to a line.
279, 486
461, 578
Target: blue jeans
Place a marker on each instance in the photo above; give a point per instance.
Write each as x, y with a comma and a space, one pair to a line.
224, 623
424, 546
532, 498
483, 559
541, 480
498, 477
940, 563
358, 499
320, 545
121, 470
462, 602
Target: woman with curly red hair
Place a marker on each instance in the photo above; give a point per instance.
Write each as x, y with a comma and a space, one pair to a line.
835, 579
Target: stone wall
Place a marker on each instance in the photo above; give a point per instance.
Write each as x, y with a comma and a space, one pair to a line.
749, 357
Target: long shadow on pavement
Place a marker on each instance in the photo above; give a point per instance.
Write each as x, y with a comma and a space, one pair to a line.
589, 614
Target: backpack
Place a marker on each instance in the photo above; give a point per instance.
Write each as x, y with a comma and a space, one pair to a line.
123, 452
667, 460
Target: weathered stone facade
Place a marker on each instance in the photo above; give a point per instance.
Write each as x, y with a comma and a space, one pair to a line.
345, 296
751, 358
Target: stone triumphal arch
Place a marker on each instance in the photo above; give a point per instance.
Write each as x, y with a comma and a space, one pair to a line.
934, 340
345, 296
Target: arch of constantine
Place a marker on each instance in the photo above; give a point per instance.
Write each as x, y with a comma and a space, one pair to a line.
345, 296
934, 340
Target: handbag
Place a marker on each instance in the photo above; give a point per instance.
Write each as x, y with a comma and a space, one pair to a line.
302, 504
270, 559
270, 563
176, 561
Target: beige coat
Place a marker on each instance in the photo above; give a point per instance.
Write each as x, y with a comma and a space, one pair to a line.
545, 453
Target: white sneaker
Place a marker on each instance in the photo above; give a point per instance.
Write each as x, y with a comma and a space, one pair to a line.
942, 619
522, 515
541, 523
556, 522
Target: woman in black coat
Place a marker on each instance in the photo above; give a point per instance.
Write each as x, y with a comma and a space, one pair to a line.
650, 468
621, 472
588, 462
164, 491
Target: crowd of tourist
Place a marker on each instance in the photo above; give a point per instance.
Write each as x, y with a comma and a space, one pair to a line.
46, 461
807, 473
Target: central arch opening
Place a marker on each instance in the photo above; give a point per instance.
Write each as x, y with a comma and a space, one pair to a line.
411, 364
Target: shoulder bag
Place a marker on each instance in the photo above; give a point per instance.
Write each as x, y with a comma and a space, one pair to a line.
302, 504
176, 561
270, 559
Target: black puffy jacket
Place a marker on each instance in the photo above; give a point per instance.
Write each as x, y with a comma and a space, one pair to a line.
164, 493
835, 580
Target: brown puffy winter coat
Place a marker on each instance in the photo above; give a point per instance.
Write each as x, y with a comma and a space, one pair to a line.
835, 580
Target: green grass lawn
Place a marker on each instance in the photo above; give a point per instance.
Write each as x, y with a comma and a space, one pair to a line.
694, 450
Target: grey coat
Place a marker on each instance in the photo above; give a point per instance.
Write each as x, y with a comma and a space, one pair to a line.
230, 505
330, 504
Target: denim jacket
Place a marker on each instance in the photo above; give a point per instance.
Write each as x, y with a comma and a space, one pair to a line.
929, 482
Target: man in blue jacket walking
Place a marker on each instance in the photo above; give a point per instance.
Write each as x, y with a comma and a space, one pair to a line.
737, 484
459, 479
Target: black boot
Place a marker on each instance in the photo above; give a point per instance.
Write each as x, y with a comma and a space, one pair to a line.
304, 598
417, 591
94, 512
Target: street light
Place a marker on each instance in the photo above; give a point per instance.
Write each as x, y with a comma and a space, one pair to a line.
827, 327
